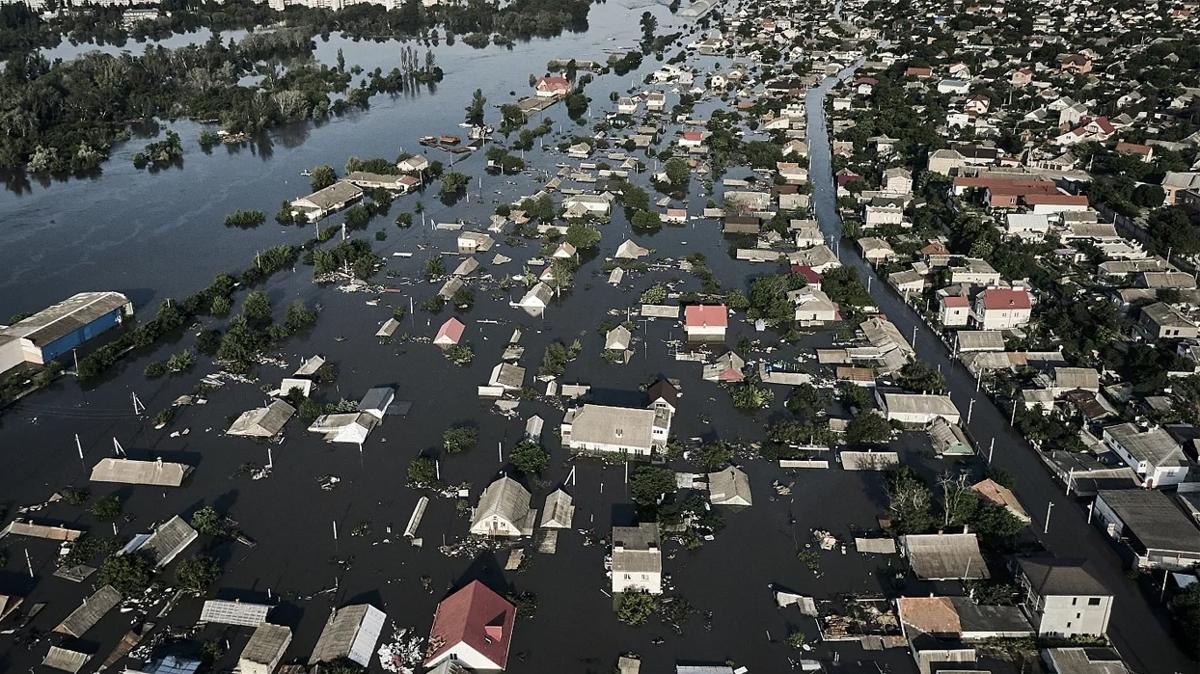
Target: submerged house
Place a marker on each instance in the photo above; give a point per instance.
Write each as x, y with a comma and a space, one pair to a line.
473, 627
616, 430
350, 634
325, 201
164, 543
262, 422
637, 559
156, 473
504, 511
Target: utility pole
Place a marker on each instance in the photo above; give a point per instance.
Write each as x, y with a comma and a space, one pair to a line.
991, 450
970, 410
1049, 509
138, 407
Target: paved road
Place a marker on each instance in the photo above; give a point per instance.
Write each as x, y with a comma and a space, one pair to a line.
1139, 629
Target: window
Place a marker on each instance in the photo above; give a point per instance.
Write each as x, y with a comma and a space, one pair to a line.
1094, 601
1068, 625
1074, 601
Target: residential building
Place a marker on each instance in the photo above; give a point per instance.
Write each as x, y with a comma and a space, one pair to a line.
474, 627
637, 559
730, 487
326, 201
1162, 321
552, 86
917, 409
705, 322
1159, 534
1153, 454
616, 430
954, 311
1061, 598
503, 511
1002, 308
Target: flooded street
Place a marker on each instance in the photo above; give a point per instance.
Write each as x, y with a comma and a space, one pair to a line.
158, 235
328, 520
1142, 633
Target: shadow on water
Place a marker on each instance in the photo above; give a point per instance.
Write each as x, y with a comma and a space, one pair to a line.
484, 568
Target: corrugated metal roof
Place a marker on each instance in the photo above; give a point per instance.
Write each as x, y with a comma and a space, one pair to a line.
90, 612
66, 317
241, 613
267, 644
65, 659
130, 471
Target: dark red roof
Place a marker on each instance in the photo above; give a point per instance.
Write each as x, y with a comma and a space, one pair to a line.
1006, 298
475, 616
808, 273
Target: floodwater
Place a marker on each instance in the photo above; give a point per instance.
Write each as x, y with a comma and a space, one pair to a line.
159, 235
1139, 626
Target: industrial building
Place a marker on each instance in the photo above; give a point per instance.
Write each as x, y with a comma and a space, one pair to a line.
58, 329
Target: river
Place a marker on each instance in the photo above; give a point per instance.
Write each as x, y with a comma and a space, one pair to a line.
1139, 627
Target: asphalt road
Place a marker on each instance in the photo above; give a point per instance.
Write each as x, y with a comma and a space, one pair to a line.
1140, 630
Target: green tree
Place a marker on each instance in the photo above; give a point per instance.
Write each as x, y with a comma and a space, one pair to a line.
807, 402
868, 428
750, 396
582, 236
920, 376
197, 574
422, 473
529, 458
220, 306
322, 177
636, 608
299, 316
257, 308
453, 182
650, 483
208, 522
910, 502
715, 456
129, 574
107, 508
476, 107
459, 439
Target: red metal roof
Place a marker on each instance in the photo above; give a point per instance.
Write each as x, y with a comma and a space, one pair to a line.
693, 135
706, 316
475, 616
451, 330
809, 274
1056, 199
955, 302
1006, 298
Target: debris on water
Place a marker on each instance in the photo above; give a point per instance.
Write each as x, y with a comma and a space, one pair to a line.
824, 539
781, 489
403, 653
328, 482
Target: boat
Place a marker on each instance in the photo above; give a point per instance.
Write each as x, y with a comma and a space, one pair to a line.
450, 140
428, 140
